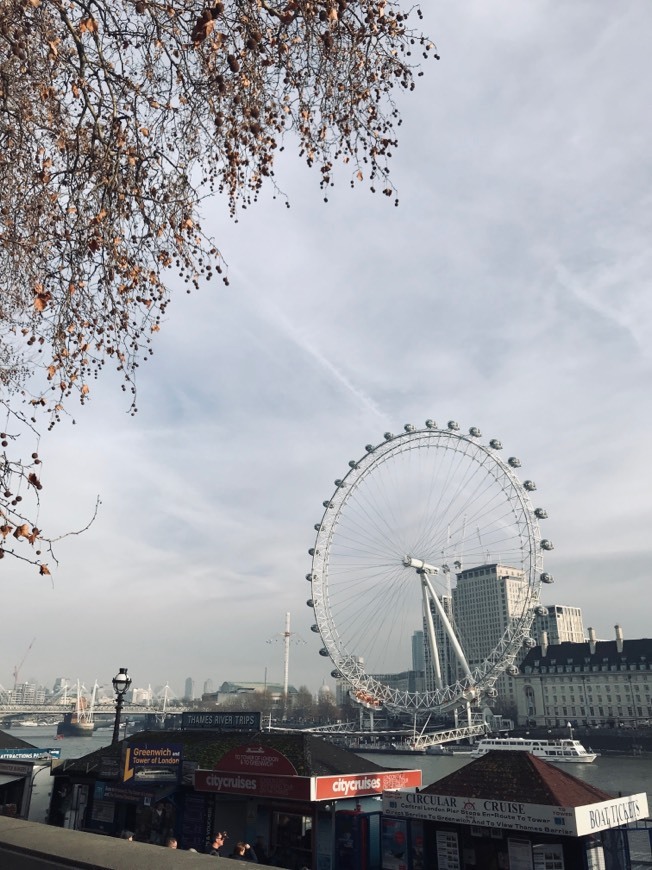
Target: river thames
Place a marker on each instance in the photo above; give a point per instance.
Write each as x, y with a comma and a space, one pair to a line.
615, 774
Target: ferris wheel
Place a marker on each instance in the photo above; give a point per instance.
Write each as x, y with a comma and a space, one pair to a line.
426, 570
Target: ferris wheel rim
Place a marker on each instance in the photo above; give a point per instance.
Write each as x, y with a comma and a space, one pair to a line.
481, 678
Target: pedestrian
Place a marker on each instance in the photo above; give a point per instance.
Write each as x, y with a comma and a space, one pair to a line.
171, 843
218, 842
243, 852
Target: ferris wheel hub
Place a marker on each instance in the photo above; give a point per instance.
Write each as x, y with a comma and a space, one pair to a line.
420, 565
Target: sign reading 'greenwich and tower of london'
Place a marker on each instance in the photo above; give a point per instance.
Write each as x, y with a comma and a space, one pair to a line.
515, 815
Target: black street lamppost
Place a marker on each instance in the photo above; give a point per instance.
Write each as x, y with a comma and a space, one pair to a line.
121, 683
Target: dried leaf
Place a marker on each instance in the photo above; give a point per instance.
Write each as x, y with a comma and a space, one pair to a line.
23, 531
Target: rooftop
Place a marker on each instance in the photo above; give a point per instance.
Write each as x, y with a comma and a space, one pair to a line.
310, 755
9, 741
518, 776
636, 655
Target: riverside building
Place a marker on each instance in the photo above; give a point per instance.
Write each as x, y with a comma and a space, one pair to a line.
595, 683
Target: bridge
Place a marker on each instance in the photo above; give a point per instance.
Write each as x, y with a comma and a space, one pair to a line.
13, 713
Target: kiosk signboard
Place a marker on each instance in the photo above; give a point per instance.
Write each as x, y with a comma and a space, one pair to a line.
516, 815
221, 721
357, 784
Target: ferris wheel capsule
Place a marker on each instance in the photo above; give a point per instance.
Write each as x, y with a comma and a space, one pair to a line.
430, 424
541, 514
530, 485
495, 444
475, 432
453, 425
547, 578
314, 628
409, 427
547, 545
514, 462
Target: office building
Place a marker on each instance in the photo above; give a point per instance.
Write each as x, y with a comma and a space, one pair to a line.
189, 690
562, 624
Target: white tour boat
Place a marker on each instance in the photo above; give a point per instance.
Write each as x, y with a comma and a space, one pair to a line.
552, 750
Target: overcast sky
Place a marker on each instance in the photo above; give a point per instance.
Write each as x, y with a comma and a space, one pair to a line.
509, 290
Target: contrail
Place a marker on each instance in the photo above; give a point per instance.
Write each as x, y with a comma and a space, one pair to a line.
285, 325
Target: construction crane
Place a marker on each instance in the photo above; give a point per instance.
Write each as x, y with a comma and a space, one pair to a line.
17, 667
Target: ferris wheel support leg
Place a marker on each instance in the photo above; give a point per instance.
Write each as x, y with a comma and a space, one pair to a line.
430, 628
448, 628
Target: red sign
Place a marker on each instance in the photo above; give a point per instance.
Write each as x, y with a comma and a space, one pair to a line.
254, 784
354, 784
254, 758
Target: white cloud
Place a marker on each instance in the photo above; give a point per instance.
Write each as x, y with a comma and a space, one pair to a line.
510, 290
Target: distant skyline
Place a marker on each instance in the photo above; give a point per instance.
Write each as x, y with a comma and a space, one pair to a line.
510, 290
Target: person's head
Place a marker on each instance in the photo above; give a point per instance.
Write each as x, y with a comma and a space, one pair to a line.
171, 843
218, 839
239, 848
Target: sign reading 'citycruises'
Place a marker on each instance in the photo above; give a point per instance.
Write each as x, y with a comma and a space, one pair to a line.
253, 784
252, 781
352, 785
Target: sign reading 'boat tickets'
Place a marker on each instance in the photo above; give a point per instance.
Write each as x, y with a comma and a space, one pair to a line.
515, 815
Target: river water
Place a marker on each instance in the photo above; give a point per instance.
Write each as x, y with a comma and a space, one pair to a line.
615, 774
